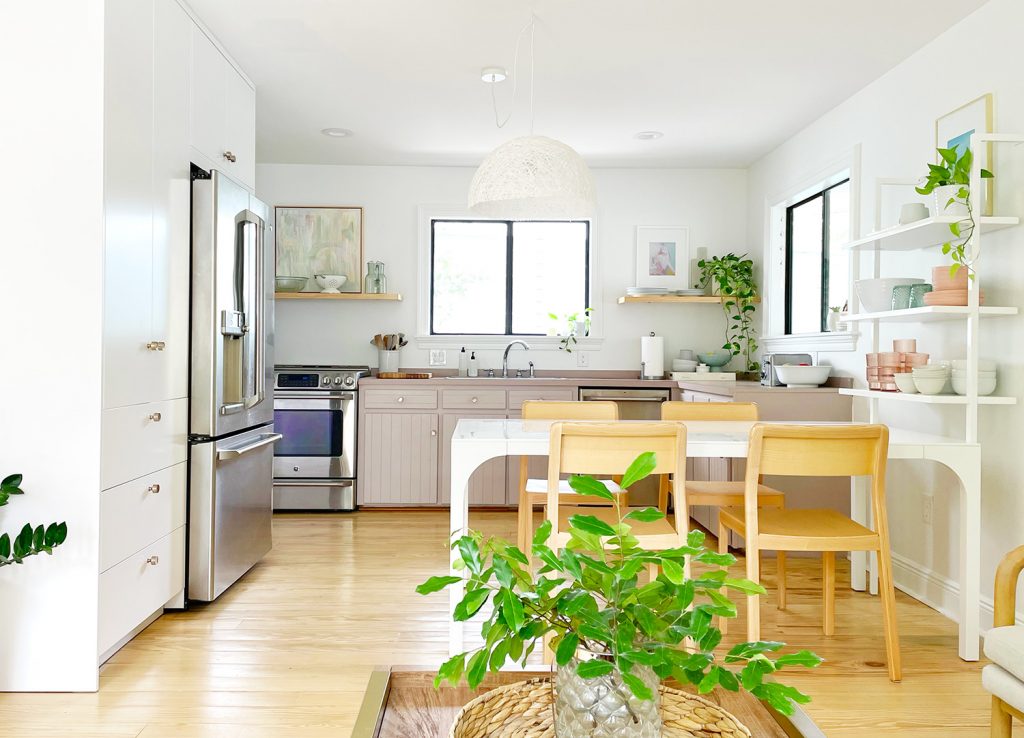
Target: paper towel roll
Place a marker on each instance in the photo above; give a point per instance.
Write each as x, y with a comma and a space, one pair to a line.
652, 354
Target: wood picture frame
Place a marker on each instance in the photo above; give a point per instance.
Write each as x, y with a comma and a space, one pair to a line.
320, 239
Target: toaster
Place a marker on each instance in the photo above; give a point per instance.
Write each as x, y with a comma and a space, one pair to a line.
769, 378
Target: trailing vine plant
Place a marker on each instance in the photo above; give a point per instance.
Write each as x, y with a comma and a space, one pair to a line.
954, 168
30, 541
732, 277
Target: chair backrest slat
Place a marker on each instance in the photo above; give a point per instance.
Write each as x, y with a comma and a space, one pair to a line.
816, 450
709, 411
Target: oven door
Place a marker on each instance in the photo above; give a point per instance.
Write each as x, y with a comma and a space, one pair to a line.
319, 435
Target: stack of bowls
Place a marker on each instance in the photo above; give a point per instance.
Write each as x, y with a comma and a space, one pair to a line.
684, 365
986, 377
931, 379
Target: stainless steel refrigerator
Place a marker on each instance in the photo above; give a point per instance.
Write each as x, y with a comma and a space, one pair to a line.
231, 431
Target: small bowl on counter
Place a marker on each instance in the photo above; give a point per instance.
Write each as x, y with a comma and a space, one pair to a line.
684, 365
803, 375
715, 359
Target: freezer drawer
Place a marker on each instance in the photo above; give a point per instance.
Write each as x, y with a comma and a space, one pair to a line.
230, 509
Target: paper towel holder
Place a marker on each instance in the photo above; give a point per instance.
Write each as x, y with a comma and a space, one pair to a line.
643, 366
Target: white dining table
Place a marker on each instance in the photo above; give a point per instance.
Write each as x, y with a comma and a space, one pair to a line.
477, 440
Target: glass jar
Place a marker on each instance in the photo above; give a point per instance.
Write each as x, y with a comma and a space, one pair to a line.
604, 707
375, 282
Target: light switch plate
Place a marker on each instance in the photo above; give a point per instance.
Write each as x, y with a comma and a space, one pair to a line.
438, 357
582, 359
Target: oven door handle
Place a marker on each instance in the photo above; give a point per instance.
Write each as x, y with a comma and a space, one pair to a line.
313, 483
265, 440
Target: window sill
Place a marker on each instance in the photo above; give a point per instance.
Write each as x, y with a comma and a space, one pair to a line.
838, 341
538, 343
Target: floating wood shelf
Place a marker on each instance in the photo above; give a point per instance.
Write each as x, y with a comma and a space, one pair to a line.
686, 299
392, 296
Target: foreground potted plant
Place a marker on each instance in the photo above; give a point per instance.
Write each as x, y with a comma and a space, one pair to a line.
614, 638
732, 277
30, 541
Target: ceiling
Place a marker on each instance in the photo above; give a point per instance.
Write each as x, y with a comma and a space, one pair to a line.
726, 81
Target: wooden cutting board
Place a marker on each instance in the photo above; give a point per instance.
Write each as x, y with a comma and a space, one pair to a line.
404, 375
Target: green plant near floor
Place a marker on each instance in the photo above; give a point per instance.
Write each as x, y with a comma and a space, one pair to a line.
954, 168
31, 540
589, 598
732, 277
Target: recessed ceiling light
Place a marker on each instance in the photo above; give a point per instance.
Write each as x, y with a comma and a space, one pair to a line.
648, 135
490, 75
336, 132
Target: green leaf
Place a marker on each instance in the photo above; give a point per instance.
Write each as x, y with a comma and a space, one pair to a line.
434, 584
647, 620
471, 604
586, 485
571, 563
470, 553
673, 571
637, 686
745, 585
566, 648
641, 468
543, 532
800, 658
546, 555
594, 668
12, 484
728, 680
954, 228
948, 155
5, 546
451, 670
512, 610
986, 174
710, 680
695, 538
62, 534
503, 573
499, 655
591, 524
716, 559
645, 515
477, 668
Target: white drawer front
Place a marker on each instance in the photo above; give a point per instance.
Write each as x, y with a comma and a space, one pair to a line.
139, 439
484, 399
139, 512
516, 398
399, 399
139, 586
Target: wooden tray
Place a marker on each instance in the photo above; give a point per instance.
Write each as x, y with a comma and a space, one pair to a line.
401, 702
404, 375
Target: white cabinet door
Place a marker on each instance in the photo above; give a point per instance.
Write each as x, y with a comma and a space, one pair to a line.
207, 103
240, 127
136, 513
138, 439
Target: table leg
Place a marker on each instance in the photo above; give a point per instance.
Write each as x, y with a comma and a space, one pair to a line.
967, 465
860, 496
462, 467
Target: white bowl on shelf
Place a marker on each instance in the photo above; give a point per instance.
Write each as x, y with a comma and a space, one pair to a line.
986, 385
330, 283
876, 294
984, 365
929, 385
793, 375
905, 383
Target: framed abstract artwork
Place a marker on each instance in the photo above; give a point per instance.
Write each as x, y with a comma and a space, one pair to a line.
955, 129
313, 240
663, 257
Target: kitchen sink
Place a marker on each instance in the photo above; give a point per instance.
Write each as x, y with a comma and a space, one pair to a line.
512, 378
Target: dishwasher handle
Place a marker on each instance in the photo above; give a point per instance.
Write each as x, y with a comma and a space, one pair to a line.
603, 398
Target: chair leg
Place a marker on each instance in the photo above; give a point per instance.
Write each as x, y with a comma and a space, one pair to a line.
723, 547
828, 589
524, 534
888, 596
1002, 721
780, 577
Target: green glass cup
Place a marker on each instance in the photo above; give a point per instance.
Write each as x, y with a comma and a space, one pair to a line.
917, 293
901, 297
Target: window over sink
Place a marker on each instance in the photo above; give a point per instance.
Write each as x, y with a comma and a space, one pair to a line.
502, 278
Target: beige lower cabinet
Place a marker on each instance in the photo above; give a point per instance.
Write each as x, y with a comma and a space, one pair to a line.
398, 458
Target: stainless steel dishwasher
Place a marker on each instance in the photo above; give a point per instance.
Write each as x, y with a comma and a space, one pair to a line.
634, 404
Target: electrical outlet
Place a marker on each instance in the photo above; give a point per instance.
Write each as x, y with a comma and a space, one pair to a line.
582, 359
927, 508
438, 357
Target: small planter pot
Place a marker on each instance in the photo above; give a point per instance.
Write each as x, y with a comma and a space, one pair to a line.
943, 195
604, 707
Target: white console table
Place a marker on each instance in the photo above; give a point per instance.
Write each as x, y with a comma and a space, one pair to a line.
476, 441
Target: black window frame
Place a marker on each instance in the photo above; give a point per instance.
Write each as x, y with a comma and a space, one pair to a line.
826, 247
509, 269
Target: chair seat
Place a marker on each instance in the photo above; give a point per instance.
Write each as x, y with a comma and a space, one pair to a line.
540, 487
727, 494
803, 530
1004, 685
639, 529
1005, 646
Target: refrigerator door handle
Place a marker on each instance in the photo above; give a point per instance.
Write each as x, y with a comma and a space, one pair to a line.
254, 326
231, 453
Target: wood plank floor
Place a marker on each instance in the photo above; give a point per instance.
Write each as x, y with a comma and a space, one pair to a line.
287, 651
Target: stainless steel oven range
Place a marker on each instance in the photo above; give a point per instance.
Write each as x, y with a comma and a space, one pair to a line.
315, 410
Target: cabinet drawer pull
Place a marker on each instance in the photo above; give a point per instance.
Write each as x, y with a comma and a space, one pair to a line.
155, 417
230, 157
153, 560
475, 400
156, 345
154, 488
400, 399
433, 432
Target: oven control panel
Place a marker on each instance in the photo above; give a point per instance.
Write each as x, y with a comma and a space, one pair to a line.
318, 377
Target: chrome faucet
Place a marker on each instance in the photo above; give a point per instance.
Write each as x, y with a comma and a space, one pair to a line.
504, 358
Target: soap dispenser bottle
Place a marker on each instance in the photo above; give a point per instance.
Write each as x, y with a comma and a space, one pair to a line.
473, 366
463, 362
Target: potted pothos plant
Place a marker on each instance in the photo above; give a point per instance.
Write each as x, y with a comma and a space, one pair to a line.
32, 540
609, 631
950, 183
732, 277
574, 326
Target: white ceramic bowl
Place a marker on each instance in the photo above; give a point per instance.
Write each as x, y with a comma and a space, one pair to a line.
929, 385
984, 365
986, 385
876, 294
793, 375
931, 370
684, 365
329, 283
906, 383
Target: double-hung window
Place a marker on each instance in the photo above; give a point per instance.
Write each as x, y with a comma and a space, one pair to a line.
817, 271
504, 278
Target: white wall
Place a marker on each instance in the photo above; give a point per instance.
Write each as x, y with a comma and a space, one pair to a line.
710, 202
50, 333
893, 119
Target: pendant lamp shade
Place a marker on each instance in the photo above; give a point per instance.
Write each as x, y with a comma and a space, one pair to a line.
533, 178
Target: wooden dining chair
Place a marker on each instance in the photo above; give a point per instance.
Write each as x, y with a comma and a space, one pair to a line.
534, 492
817, 451
723, 493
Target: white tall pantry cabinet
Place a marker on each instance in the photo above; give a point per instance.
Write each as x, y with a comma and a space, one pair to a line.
171, 97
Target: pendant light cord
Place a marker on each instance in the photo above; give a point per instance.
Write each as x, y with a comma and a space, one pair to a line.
531, 27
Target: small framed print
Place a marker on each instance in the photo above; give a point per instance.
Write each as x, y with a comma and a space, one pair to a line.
663, 257
955, 129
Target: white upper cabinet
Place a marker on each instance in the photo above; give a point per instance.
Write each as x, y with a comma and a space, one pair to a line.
222, 113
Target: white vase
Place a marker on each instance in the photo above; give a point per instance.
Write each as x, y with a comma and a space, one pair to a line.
833, 321
943, 195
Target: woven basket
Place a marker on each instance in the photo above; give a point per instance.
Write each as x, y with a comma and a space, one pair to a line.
525, 710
